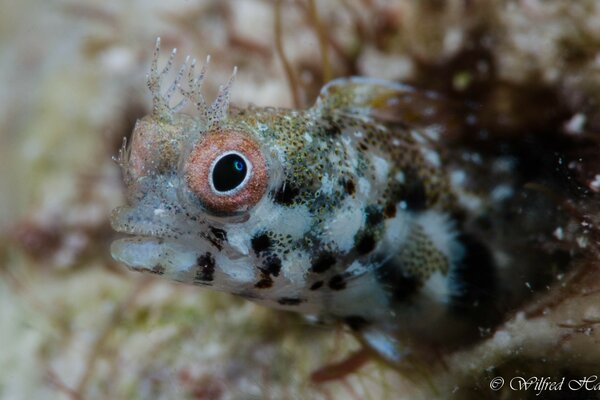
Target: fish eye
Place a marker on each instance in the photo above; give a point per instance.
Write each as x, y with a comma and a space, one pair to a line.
230, 172
226, 171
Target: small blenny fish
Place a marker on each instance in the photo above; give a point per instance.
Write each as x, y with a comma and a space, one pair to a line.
352, 210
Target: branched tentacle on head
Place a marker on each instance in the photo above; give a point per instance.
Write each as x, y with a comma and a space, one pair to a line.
210, 115
122, 160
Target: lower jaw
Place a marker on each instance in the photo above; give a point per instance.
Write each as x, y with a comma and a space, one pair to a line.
150, 254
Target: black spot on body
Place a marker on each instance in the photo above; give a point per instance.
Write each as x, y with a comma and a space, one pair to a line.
219, 234
289, 301
322, 263
365, 244
272, 265
412, 192
333, 129
374, 215
286, 194
217, 237
206, 264
405, 287
356, 322
337, 282
261, 243
265, 282
390, 210
317, 285
400, 286
350, 187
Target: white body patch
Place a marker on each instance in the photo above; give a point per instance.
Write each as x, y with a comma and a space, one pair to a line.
278, 153
396, 230
418, 137
351, 154
294, 268
236, 269
436, 287
326, 184
469, 201
501, 193
441, 231
159, 212
238, 240
433, 132
400, 177
458, 178
296, 223
362, 296
382, 168
357, 268
269, 216
431, 156
345, 224
364, 187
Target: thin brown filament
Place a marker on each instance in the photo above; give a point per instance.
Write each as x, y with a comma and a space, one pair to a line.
291, 77
322, 38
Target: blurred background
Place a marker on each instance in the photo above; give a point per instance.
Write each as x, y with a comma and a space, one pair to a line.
75, 325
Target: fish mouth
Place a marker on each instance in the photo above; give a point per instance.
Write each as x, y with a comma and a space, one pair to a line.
145, 245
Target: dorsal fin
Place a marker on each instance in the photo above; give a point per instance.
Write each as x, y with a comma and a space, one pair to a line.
394, 103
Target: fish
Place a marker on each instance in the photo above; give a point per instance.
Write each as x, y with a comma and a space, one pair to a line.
364, 209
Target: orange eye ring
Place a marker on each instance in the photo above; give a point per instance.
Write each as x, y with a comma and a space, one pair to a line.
199, 171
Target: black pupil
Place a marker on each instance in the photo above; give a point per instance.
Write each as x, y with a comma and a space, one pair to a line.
229, 172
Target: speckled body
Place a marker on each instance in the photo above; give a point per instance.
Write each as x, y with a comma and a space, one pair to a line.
359, 219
